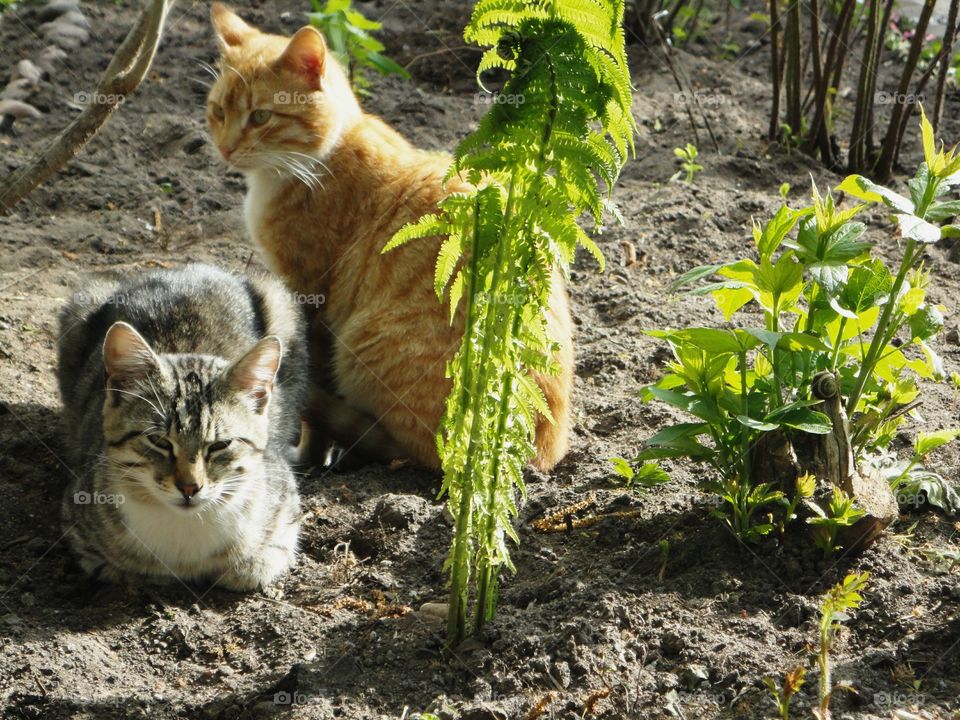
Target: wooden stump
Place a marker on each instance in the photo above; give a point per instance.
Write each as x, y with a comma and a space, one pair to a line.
784, 457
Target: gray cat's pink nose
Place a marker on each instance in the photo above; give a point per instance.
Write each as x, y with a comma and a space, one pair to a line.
188, 491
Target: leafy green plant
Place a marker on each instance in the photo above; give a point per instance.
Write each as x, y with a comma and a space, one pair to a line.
536, 167
783, 696
350, 36
834, 609
840, 512
648, 475
687, 156
913, 483
839, 599
830, 309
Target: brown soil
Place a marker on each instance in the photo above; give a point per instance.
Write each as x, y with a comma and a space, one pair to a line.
587, 627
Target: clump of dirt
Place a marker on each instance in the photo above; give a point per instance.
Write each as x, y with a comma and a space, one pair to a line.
595, 623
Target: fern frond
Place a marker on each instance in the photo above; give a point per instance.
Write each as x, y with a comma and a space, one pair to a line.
450, 252
426, 226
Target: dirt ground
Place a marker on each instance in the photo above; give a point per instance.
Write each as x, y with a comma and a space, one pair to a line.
588, 610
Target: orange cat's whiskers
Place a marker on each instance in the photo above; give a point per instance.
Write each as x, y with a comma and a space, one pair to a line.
297, 165
303, 167
209, 69
239, 74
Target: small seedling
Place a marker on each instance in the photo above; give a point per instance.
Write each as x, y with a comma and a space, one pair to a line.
806, 485
841, 597
664, 557
644, 477
688, 163
783, 696
839, 513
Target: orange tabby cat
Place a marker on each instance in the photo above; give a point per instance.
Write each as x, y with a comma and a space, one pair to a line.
328, 185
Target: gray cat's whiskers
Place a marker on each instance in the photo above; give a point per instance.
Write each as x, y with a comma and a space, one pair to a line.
156, 409
188, 379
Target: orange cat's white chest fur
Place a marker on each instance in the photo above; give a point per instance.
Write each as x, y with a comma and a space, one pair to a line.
263, 187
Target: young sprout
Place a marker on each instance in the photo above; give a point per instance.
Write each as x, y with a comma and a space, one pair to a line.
841, 597
839, 513
782, 696
688, 164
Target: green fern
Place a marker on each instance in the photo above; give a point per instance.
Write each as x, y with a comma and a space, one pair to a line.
350, 36
537, 165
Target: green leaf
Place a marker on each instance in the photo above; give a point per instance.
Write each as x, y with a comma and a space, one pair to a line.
447, 260
695, 406
650, 474
386, 66
755, 424
918, 229
426, 226
783, 280
776, 230
926, 322
868, 286
623, 468
808, 421
691, 276
798, 341
719, 341
730, 299
678, 435
864, 189
926, 443
929, 144
941, 211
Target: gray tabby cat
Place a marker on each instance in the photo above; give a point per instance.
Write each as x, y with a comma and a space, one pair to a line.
179, 412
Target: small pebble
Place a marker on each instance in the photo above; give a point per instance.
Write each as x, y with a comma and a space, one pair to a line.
64, 34
19, 89
56, 8
434, 612
51, 59
27, 71
18, 110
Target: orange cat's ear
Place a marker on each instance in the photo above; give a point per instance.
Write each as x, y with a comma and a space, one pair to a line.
306, 56
231, 29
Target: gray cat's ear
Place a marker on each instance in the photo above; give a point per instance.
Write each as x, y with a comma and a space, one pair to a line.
127, 357
230, 28
306, 56
254, 373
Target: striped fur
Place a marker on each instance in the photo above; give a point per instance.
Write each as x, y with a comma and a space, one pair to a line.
156, 373
328, 186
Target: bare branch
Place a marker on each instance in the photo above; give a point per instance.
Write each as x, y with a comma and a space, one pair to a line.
121, 78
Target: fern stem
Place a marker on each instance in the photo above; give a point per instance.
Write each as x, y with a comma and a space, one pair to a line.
459, 567
456, 621
486, 583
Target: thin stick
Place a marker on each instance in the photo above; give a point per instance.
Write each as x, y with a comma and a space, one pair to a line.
774, 130
949, 35
121, 78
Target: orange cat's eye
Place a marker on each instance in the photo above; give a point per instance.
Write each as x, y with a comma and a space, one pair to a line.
259, 117
217, 111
